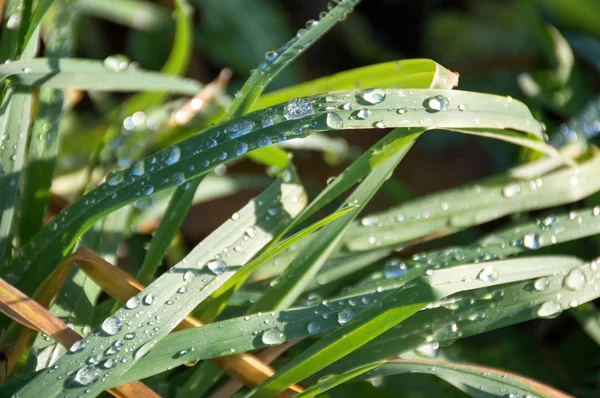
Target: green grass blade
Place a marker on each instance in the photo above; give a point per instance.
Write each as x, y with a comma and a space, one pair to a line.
31, 23
171, 297
493, 381
328, 382
9, 41
198, 154
111, 75
136, 14
409, 73
520, 189
44, 142
277, 60
178, 207
284, 292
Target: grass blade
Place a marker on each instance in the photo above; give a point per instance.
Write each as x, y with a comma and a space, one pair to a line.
111, 75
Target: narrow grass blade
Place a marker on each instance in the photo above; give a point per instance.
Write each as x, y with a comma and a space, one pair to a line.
172, 296
174, 214
409, 73
93, 75
279, 59
589, 318
32, 21
482, 378
327, 383
287, 289
520, 189
198, 154
141, 15
32, 315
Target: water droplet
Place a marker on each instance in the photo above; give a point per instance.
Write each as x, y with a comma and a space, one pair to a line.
149, 299
266, 122
138, 169
239, 128
217, 266
462, 107
111, 325
541, 284
109, 363
271, 55
372, 96
133, 302
116, 63
86, 375
549, 309
297, 108
148, 190
188, 275
362, 114
511, 190
379, 124
575, 279
272, 337
263, 141
173, 155
532, 241
114, 178
401, 111
437, 103
488, 274
334, 121
241, 148
77, 346
314, 327
235, 216
345, 316
596, 211
177, 179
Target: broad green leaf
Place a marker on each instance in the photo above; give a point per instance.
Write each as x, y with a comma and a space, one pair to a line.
288, 288
112, 74
410, 73
172, 296
197, 155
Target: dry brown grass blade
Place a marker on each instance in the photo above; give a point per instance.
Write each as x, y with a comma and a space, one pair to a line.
31, 314
540, 388
245, 368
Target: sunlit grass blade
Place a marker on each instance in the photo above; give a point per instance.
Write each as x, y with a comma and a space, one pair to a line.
328, 382
521, 189
491, 380
410, 73
32, 315
240, 277
174, 214
284, 292
197, 155
278, 59
113, 74
172, 296
32, 22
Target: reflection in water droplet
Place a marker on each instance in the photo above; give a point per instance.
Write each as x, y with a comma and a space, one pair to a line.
541, 284
345, 316
372, 96
239, 128
488, 274
111, 325
86, 375
437, 103
132, 303
297, 108
314, 327
217, 266
334, 121
272, 337
173, 155
532, 241
549, 309
149, 299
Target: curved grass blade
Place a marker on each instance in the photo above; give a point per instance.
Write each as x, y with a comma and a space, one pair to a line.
253, 332
172, 296
92, 75
197, 155
394, 307
32, 22
482, 378
409, 73
279, 59
284, 292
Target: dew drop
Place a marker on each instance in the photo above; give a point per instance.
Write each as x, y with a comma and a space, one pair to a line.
111, 325
217, 266
114, 178
314, 327
401, 111
241, 148
177, 179
263, 141
345, 316
488, 274
109, 363
596, 211
297, 108
116, 63
532, 241
541, 284
271, 55
148, 190
86, 375
272, 337
77, 346
379, 124
239, 128
362, 114
437, 103
334, 121
173, 155
549, 309
575, 279
149, 299
372, 96
138, 169
511, 190
133, 302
